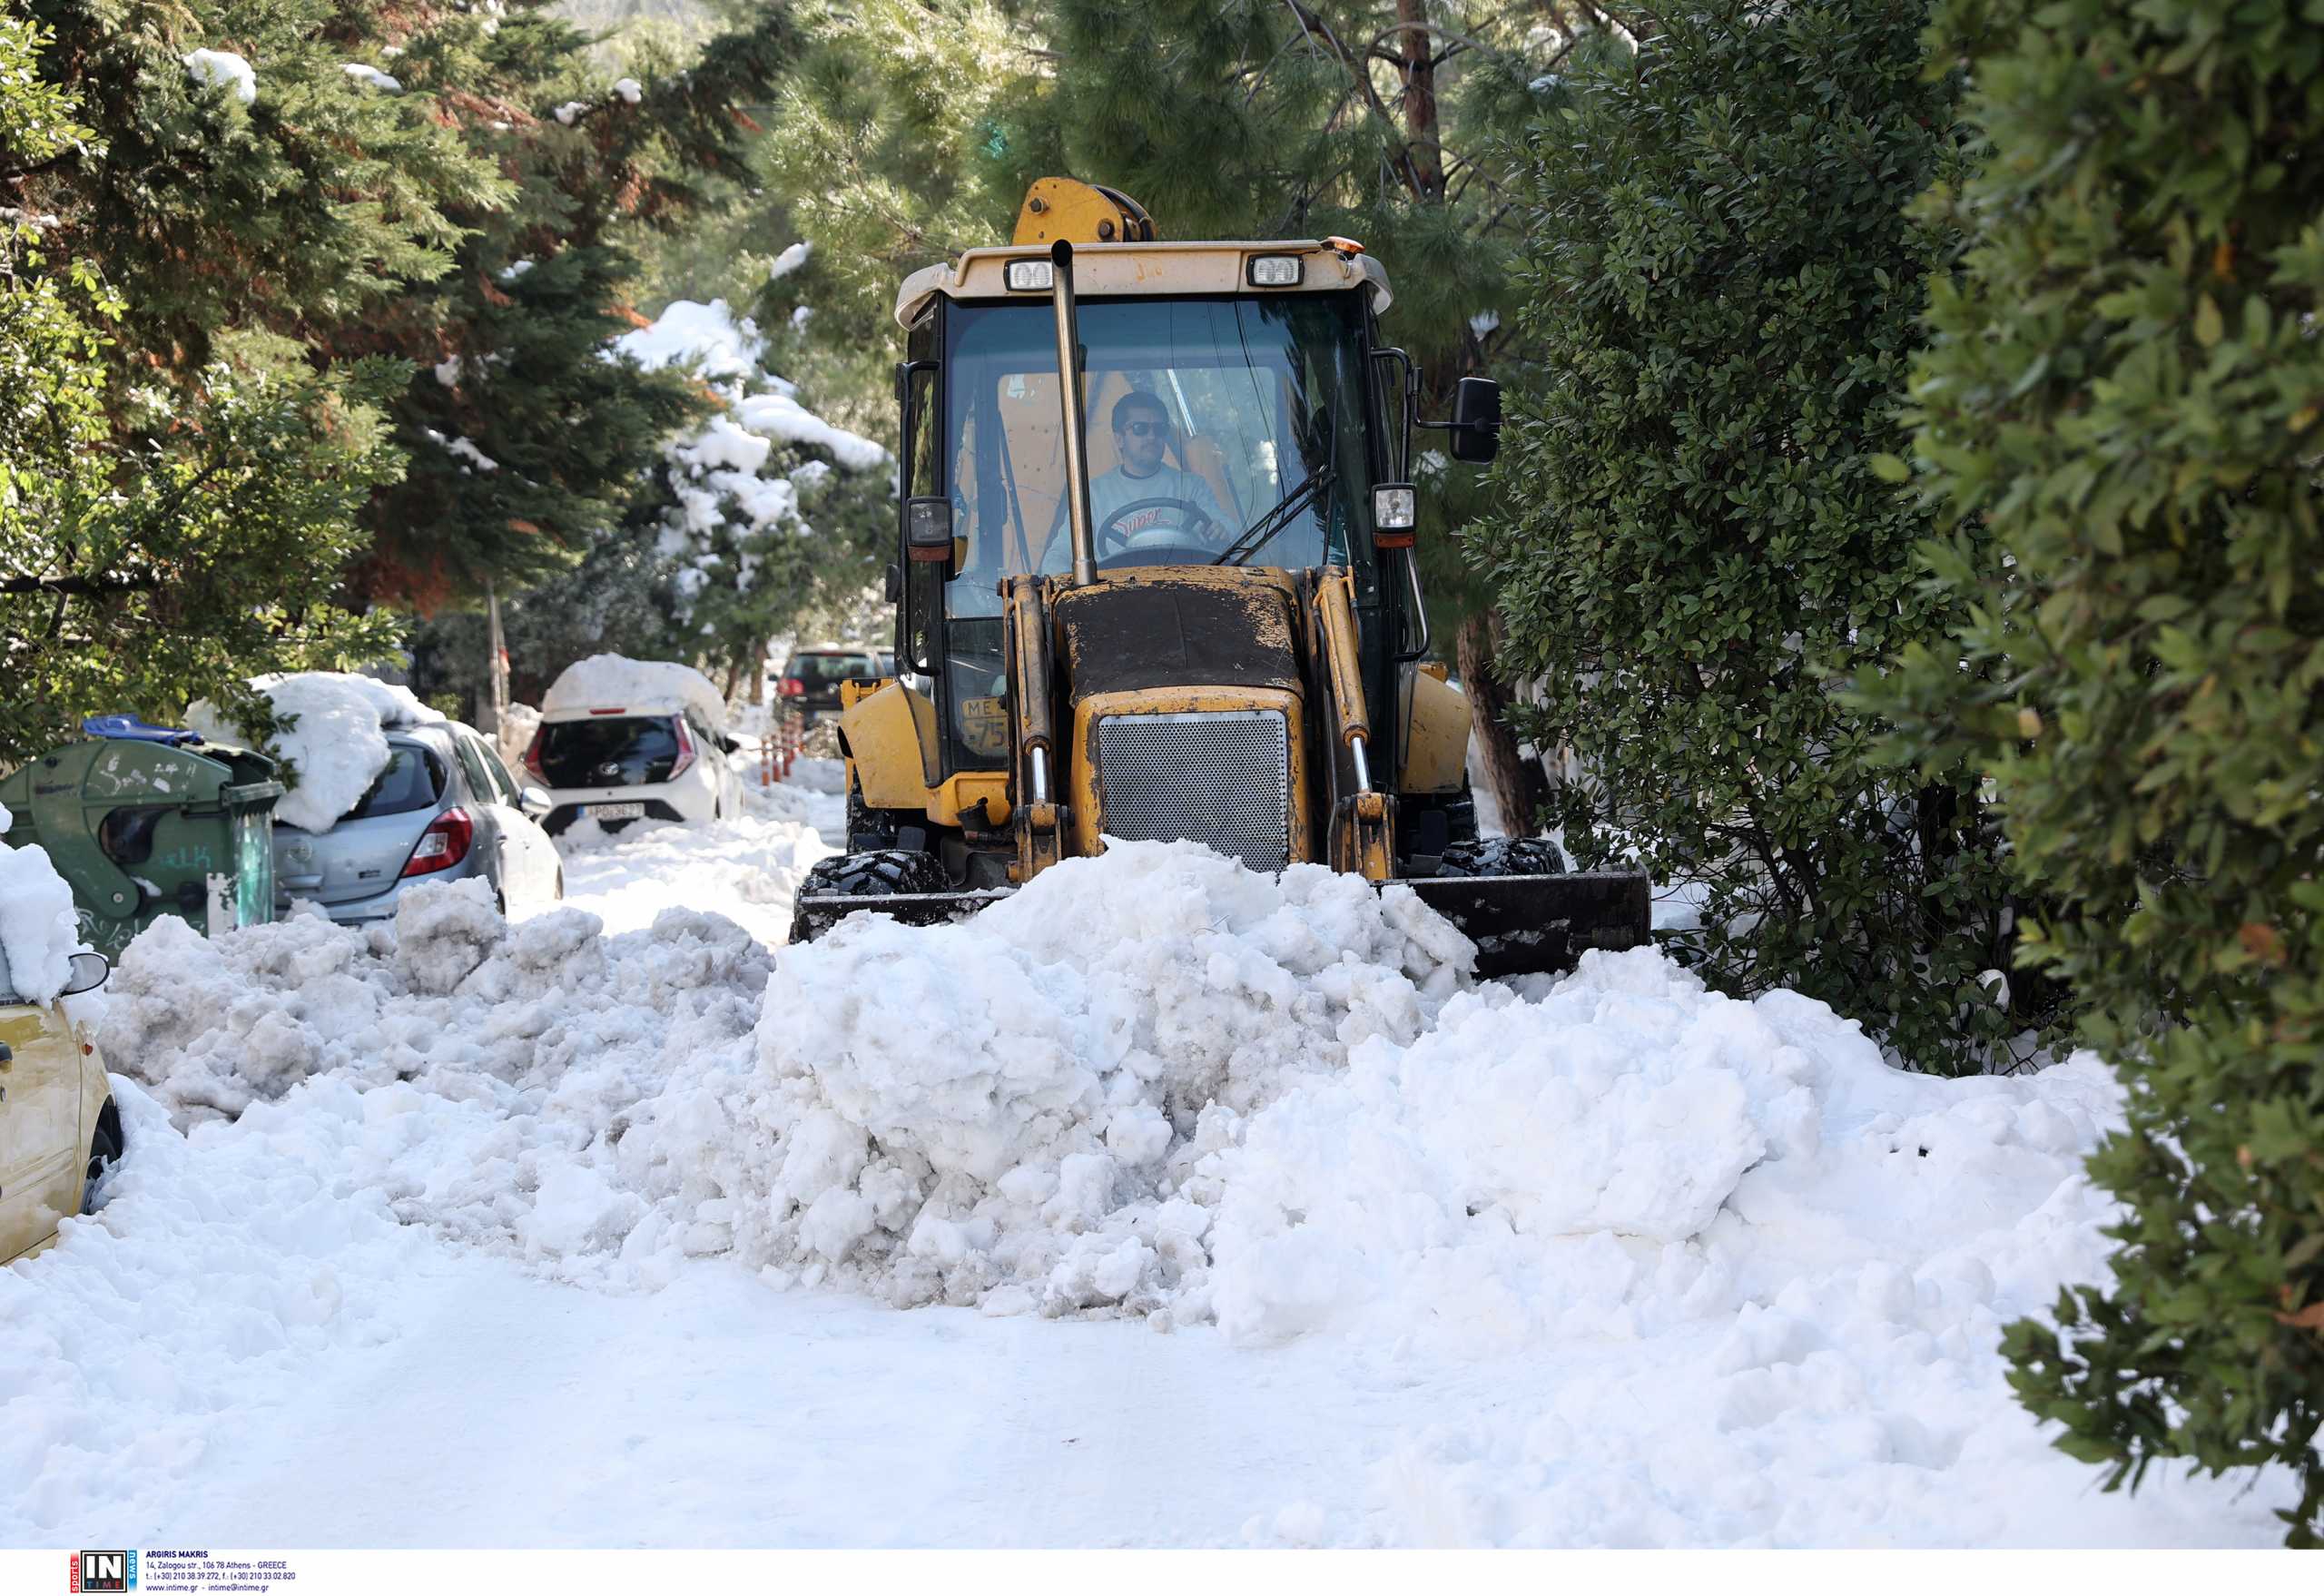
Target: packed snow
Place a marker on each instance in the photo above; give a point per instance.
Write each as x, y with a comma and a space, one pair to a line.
1605, 1259
613, 681
39, 928
222, 69
336, 746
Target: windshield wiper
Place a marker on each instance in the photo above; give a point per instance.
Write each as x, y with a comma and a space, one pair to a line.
1256, 534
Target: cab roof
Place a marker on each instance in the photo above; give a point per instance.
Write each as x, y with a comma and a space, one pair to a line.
1147, 271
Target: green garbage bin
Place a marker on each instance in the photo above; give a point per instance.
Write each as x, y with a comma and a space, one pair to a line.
142, 826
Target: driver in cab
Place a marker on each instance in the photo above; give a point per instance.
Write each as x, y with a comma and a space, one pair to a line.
1142, 431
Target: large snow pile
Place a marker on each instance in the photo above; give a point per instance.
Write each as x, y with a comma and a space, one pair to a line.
642, 686
1719, 1275
1012, 1113
1151, 1083
449, 998
39, 928
338, 743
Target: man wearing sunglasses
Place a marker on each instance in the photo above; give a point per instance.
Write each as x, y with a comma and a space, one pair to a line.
1142, 434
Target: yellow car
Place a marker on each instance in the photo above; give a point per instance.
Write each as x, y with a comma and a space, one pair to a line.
58, 1127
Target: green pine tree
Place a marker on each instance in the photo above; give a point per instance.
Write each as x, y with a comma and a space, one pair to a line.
178, 489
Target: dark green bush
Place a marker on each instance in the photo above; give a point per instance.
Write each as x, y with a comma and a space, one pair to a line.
1726, 289
2123, 393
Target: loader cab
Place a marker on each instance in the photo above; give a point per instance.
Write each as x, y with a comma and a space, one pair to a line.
1239, 428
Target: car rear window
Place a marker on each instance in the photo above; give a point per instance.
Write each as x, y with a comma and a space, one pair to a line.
413, 780
576, 753
832, 667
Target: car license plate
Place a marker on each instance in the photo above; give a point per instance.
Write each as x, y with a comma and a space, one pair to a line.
617, 812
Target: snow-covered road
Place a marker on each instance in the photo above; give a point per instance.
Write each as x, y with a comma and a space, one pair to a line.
1232, 1215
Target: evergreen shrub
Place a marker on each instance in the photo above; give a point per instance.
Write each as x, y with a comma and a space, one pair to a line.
1724, 289
2124, 393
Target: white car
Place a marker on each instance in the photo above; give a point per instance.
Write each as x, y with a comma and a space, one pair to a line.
614, 764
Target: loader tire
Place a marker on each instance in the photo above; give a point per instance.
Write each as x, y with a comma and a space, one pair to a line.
878, 873
869, 829
1504, 856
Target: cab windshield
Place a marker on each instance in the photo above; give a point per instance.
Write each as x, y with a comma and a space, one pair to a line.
1219, 430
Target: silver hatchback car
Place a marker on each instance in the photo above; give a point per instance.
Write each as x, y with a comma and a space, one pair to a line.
445, 809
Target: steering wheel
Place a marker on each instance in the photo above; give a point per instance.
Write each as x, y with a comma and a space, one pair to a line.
1194, 521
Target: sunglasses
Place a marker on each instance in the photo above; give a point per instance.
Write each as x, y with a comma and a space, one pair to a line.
1147, 429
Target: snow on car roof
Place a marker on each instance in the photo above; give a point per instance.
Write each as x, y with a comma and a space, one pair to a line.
338, 744
642, 686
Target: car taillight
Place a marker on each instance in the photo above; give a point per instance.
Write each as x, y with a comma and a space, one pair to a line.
533, 755
443, 844
685, 747
792, 687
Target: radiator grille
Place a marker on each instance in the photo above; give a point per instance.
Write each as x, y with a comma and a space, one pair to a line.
1218, 777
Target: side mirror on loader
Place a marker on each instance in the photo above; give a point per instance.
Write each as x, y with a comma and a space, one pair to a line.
1476, 421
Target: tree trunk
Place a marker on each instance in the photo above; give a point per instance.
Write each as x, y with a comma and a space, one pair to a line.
1424, 152
734, 678
1520, 786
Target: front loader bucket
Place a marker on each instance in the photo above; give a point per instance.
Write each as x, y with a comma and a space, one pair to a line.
1539, 924
812, 916
1522, 924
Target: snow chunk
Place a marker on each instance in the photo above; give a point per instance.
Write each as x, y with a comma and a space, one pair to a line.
39, 928
569, 109
710, 336
363, 74
463, 449
629, 89
337, 744
779, 416
789, 261
447, 371
606, 681
514, 270
222, 69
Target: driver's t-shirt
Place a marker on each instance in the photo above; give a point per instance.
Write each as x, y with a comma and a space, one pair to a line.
1118, 487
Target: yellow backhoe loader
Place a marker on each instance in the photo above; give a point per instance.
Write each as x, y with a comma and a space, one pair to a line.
1156, 579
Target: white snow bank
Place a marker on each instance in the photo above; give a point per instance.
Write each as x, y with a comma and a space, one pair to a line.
1005, 1114
222, 69
611, 681
338, 744
1681, 1269
39, 928
177, 1322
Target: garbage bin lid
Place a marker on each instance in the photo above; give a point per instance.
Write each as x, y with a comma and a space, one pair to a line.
130, 727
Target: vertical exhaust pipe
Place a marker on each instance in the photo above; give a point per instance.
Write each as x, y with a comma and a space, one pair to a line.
1068, 390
